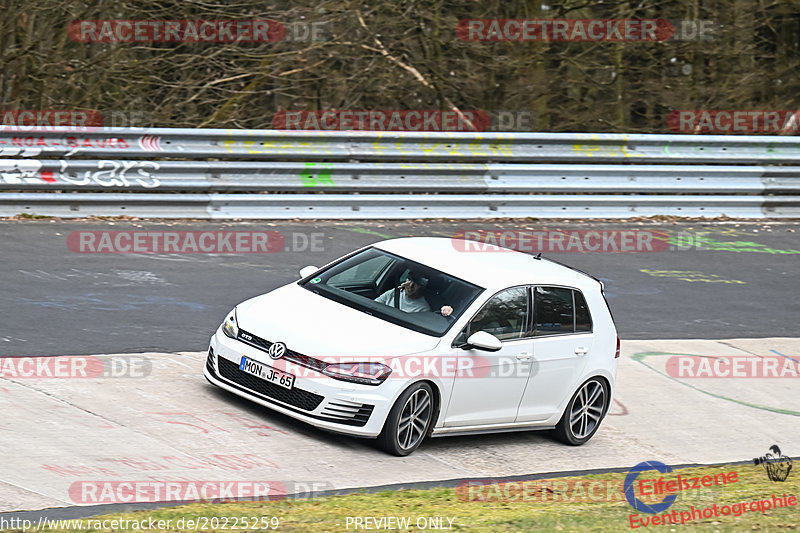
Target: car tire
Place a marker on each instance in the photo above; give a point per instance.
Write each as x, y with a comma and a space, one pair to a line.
409, 420
584, 413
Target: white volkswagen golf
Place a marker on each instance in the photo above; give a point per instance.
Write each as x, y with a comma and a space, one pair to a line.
418, 337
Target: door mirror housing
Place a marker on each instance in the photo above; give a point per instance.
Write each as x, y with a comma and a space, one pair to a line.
307, 271
483, 341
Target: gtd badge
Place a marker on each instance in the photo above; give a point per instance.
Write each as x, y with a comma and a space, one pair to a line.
247, 337
277, 350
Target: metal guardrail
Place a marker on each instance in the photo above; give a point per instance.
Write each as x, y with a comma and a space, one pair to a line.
397, 206
236, 176
396, 146
300, 174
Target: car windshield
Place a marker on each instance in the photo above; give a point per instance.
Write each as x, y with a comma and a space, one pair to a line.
397, 290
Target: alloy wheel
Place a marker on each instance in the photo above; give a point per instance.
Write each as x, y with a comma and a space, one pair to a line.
587, 409
414, 419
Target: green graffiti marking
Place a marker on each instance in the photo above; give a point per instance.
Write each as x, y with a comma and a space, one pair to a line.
702, 242
773, 151
370, 232
323, 175
641, 356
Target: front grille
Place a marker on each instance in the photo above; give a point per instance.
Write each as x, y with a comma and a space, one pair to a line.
350, 413
263, 345
253, 340
302, 399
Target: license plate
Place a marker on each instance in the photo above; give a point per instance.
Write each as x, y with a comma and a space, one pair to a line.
267, 373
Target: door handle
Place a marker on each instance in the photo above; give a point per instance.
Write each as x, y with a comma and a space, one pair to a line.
580, 350
524, 356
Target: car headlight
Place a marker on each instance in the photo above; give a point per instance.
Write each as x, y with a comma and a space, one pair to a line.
364, 373
230, 327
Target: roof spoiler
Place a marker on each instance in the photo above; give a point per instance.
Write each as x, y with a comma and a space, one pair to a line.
539, 257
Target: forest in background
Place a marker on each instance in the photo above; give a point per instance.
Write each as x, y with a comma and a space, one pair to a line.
403, 54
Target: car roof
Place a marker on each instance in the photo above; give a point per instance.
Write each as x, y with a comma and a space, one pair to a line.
487, 265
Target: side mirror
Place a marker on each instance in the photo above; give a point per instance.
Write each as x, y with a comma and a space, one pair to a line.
307, 271
484, 341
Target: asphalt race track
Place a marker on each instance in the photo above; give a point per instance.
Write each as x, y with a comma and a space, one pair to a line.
57, 302
737, 296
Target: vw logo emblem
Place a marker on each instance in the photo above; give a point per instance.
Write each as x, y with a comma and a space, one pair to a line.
277, 350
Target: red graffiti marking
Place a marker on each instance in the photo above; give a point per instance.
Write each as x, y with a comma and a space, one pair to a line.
78, 470
47, 175
189, 415
253, 424
229, 462
142, 465
72, 142
624, 410
206, 427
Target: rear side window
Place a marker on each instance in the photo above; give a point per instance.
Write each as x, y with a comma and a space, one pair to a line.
557, 310
553, 311
583, 320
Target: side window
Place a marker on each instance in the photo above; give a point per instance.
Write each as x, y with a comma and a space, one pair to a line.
552, 311
505, 316
583, 320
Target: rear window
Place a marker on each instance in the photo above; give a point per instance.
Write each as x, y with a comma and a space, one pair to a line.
558, 310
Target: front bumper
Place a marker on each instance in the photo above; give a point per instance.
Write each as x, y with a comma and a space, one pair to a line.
324, 402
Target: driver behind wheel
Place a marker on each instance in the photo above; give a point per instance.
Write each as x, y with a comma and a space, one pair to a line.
409, 296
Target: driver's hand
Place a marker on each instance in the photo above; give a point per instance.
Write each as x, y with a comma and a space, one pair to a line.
446, 310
